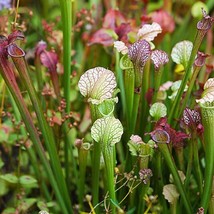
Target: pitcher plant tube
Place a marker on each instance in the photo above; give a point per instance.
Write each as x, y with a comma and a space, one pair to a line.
97, 85
207, 111
107, 131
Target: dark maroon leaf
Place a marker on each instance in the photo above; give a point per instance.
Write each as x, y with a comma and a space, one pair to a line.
3, 45
8, 47
15, 36
113, 19
160, 136
176, 138
149, 95
122, 31
200, 129
3, 39
206, 23
49, 59
162, 122
200, 60
103, 37
41, 46
15, 51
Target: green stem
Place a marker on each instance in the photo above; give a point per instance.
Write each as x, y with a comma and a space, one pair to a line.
189, 90
196, 164
168, 158
173, 207
144, 105
55, 82
211, 207
141, 203
83, 154
109, 167
120, 152
180, 157
129, 91
158, 76
67, 23
70, 136
190, 162
144, 187
131, 127
96, 173
159, 172
38, 173
38, 70
95, 161
120, 82
135, 111
208, 123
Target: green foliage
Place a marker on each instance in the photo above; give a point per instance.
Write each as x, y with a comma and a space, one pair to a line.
113, 131
10, 178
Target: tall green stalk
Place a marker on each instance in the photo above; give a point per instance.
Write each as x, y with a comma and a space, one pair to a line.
38, 71
144, 105
95, 162
197, 168
107, 132
138, 71
109, 169
129, 85
211, 207
189, 90
101, 98
120, 81
129, 91
144, 161
159, 173
157, 79
67, 23
208, 123
83, 150
139, 53
190, 162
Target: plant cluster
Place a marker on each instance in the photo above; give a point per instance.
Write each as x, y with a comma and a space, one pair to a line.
106, 115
